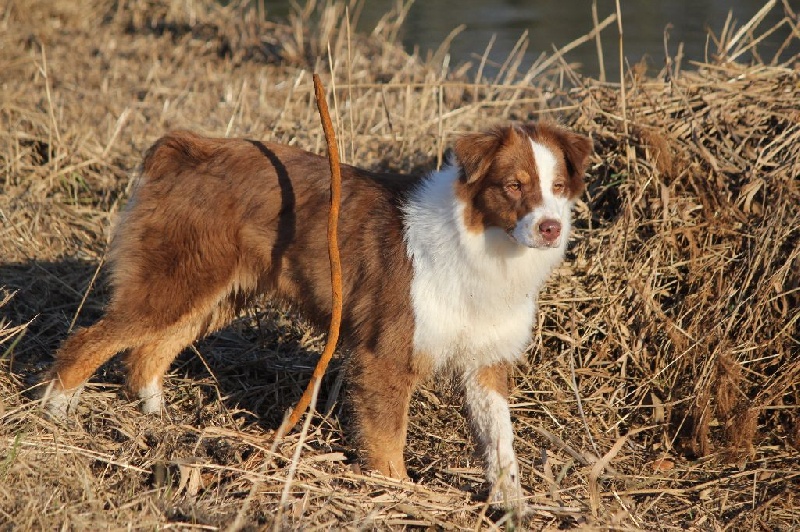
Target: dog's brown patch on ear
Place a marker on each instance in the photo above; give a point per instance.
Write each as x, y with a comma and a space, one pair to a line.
487, 160
577, 149
475, 152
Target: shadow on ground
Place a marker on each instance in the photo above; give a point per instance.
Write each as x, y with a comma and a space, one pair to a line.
257, 367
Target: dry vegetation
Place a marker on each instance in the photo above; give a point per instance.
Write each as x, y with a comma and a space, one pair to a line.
662, 388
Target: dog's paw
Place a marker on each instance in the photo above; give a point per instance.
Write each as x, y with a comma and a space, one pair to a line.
506, 492
152, 398
59, 403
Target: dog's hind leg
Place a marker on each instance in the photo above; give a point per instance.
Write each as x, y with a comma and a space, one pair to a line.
79, 356
148, 363
152, 347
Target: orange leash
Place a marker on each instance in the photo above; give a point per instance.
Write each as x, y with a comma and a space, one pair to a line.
333, 254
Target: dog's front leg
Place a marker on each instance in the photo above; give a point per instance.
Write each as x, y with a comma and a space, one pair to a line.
486, 397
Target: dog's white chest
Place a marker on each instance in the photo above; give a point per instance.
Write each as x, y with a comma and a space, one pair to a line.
458, 327
473, 295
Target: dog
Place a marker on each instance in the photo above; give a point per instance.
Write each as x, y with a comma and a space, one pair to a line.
440, 272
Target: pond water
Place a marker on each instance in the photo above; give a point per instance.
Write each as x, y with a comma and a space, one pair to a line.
557, 23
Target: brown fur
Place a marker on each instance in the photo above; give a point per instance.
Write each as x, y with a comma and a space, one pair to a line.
214, 222
494, 378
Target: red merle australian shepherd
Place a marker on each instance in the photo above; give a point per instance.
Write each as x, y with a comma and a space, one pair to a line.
441, 272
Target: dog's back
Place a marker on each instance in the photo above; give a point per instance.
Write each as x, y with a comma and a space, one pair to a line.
214, 218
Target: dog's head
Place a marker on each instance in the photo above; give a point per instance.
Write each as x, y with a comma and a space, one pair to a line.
523, 180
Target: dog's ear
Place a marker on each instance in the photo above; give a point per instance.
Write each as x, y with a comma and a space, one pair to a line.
577, 149
476, 151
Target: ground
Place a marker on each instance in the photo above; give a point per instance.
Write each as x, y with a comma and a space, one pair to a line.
660, 392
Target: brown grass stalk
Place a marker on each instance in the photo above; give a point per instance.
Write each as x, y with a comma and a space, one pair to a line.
333, 252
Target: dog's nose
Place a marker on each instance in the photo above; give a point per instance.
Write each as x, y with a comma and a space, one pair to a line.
550, 230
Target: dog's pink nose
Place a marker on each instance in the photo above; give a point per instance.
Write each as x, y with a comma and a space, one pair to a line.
550, 230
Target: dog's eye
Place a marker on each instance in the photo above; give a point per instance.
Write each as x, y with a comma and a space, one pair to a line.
513, 186
558, 188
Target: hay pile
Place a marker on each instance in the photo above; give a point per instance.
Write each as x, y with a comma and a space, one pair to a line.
663, 385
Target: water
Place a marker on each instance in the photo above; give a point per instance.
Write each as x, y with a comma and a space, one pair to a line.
558, 22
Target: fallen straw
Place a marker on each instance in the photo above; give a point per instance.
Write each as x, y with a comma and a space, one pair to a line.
333, 253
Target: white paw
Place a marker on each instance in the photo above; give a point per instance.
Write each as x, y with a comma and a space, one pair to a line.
152, 398
506, 489
58, 403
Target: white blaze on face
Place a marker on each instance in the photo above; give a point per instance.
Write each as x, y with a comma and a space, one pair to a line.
552, 207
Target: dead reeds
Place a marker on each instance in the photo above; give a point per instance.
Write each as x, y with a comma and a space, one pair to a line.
661, 390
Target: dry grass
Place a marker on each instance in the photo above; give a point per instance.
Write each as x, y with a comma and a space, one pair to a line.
661, 391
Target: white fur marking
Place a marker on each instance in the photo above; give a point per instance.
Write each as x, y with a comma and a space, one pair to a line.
60, 402
553, 207
151, 397
491, 420
474, 294
546, 163
526, 231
